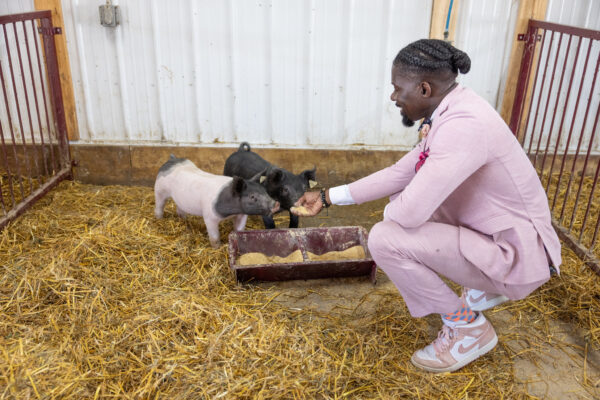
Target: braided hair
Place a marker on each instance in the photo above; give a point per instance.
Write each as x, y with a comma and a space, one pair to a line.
433, 55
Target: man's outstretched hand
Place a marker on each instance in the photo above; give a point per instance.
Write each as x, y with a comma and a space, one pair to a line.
308, 205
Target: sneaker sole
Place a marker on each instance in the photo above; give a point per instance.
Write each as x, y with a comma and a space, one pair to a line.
489, 304
481, 351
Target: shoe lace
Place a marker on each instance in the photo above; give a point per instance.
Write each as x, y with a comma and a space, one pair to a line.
444, 340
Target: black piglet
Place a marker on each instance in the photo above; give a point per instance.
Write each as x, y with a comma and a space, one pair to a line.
281, 184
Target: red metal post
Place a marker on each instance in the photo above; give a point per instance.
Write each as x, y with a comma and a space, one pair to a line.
535, 81
56, 91
41, 75
523, 81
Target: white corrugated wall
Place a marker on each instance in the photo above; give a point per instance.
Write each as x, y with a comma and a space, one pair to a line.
287, 73
15, 6
283, 73
484, 30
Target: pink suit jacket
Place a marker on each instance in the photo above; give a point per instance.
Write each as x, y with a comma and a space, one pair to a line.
477, 177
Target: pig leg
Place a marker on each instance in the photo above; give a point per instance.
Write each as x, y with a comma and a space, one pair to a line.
212, 227
269, 223
240, 222
160, 198
294, 220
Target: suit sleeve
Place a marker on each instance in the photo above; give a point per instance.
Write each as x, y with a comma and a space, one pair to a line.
456, 151
387, 181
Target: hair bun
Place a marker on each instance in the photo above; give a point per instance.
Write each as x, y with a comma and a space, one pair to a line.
460, 61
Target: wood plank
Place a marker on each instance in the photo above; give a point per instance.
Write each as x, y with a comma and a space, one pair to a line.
439, 14
528, 9
62, 54
138, 165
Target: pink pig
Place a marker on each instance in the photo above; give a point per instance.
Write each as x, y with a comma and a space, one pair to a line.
213, 197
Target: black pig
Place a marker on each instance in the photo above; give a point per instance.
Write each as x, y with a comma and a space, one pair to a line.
281, 185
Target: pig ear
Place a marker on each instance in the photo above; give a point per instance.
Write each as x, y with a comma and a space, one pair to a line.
238, 185
309, 175
276, 175
260, 177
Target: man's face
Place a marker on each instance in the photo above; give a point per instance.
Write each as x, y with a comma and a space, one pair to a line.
408, 96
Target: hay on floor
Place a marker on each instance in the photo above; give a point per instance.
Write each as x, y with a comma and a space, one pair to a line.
99, 299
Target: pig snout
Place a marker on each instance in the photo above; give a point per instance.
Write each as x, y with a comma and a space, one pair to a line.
255, 200
288, 196
267, 207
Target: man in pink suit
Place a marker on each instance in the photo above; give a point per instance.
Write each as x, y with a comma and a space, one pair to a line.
465, 203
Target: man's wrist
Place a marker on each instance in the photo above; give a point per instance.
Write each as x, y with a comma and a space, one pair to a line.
324, 199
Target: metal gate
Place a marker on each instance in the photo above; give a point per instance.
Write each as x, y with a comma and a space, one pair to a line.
555, 118
34, 154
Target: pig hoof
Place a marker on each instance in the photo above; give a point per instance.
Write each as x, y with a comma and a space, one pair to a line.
215, 243
158, 215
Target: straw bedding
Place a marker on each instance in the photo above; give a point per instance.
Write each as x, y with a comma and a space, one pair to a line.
577, 194
98, 299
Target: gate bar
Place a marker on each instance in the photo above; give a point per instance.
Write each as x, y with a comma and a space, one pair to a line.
587, 156
35, 159
562, 122
585, 118
17, 103
562, 78
564, 159
35, 97
39, 192
12, 135
549, 91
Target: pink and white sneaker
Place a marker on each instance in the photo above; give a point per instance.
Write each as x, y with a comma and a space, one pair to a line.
456, 347
479, 300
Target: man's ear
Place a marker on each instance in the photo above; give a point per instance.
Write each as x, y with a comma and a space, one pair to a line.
237, 187
425, 89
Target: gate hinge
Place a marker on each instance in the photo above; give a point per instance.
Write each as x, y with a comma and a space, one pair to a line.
523, 37
55, 30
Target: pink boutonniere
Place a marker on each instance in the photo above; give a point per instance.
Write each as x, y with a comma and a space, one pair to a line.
423, 132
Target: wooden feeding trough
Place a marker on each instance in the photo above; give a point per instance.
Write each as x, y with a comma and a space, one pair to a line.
305, 253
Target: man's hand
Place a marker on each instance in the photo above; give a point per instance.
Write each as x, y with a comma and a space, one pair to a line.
311, 205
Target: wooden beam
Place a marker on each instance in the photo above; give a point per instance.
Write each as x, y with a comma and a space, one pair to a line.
439, 15
66, 82
528, 9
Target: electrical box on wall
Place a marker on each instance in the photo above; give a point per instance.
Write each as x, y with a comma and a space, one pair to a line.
109, 15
